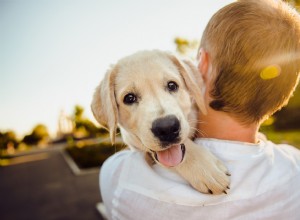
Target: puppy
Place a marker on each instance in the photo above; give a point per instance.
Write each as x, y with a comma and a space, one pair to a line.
154, 98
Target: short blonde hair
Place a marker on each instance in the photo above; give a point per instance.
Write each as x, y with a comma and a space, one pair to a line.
245, 40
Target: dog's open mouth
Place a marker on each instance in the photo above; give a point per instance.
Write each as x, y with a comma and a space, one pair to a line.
172, 156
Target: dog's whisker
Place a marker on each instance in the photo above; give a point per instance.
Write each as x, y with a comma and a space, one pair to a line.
193, 120
194, 129
198, 131
203, 134
196, 121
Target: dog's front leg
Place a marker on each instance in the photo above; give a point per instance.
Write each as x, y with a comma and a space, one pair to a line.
203, 170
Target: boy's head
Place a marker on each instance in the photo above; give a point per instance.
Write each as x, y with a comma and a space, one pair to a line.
254, 50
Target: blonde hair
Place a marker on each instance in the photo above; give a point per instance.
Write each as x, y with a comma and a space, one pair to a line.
254, 47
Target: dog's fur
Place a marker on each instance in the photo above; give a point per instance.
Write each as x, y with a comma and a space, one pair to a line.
146, 74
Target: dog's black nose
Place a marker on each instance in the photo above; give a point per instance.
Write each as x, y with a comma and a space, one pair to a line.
166, 129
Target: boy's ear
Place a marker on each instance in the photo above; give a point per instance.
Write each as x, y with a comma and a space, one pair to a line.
192, 79
104, 106
203, 63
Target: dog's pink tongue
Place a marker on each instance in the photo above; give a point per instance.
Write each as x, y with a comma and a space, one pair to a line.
170, 157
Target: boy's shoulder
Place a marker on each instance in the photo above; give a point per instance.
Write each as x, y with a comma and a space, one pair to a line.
287, 153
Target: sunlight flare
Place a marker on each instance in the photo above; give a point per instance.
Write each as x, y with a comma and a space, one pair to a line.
270, 72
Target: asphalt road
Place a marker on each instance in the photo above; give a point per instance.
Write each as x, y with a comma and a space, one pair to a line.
42, 187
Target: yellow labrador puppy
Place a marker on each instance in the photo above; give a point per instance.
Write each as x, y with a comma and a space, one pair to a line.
153, 97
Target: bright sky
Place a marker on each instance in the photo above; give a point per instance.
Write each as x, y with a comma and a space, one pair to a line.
53, 53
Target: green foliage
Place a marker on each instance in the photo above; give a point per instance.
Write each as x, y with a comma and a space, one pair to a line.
92, 155
8, 138
78, 111
84, 125
287, 119
38, 134
283, 137
186, 47
295, 100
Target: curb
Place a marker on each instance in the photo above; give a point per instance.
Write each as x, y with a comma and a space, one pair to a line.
75, 169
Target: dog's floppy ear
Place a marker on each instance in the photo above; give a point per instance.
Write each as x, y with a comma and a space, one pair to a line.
192, 79
104, 106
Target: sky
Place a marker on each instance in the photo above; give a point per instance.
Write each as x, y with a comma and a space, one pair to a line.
53, 53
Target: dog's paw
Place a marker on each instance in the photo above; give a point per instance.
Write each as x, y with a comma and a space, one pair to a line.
212, 177
204, 171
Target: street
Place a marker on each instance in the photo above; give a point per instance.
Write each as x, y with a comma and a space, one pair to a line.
43, 187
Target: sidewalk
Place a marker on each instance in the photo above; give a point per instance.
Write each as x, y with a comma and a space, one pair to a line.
45, 188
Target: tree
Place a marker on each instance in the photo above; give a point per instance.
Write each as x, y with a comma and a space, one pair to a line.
8, 139
78, 112
83, 125
186, 47
38, 135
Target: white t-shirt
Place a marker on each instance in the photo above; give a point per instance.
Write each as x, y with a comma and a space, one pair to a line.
265, 184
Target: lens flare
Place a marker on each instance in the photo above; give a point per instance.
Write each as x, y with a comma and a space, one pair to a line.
270, 72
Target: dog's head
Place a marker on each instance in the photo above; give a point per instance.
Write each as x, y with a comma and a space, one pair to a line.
150, 95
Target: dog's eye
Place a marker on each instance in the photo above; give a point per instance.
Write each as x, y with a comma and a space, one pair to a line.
172, 86
129, 99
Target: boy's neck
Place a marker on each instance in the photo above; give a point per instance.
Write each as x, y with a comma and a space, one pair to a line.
220, 125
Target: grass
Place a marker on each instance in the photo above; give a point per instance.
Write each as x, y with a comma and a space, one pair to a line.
283, 137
